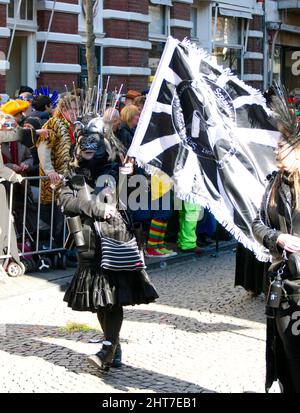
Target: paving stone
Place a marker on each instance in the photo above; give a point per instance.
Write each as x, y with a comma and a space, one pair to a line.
202, 335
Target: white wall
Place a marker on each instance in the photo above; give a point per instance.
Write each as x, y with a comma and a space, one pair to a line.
241, 3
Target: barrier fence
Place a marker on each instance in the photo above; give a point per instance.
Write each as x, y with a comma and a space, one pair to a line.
38, 238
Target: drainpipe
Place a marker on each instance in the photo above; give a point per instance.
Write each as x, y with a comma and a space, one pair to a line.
276, 27
215, 26
266, 52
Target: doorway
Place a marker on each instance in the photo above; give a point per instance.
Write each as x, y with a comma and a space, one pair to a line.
18, 73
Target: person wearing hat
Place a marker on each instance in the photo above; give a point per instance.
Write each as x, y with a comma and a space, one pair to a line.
8, 133
277, 228
130, 96
18, 157
15, 108
28, 97
15, 155
25, 88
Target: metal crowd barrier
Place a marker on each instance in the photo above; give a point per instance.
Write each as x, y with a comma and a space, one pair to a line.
37, 243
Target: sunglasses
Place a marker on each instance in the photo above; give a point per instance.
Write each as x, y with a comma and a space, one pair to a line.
9, 124
25, 99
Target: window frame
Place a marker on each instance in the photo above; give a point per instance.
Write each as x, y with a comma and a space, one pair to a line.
23, 24
156, 37
99, 58
242, 29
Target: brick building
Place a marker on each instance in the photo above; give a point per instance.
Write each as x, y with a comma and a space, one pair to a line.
42, 41
282, 27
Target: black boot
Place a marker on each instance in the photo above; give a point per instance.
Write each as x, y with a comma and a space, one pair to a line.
117, 360
104, 357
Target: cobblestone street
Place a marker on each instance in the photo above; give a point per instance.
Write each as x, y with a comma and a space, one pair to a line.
202, 335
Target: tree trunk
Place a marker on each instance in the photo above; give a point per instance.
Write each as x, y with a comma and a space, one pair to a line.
90, 43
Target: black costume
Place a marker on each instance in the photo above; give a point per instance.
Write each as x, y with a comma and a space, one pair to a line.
125, 135
93, 288
249, 272
283, 330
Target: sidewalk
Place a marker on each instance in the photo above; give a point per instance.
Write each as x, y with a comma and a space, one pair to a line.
202, 335
15, 286
211, 249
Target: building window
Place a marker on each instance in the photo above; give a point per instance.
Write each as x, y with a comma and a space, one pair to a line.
26, 9
227, 41
11, 9
194, 20
227, 57
82, 62
158, 24
155, 55
158, 33
228, 29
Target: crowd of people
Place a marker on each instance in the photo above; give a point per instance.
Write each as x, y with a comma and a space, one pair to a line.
75, 152
48, 129
52, 140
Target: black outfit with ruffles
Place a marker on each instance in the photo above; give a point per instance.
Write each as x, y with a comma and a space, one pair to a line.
249, 272
283, 324
93, 288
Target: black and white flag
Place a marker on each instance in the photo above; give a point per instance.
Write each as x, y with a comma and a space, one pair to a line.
211, 134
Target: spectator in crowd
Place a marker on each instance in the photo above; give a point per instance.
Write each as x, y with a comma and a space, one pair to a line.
188, 219
33, 124
112, 122
112, 119
154, 216
27, 97
54, 156
206, 229
43, 107
145, 92
130, 96
139, 102
130, 117
156, 245
16, 156
8, 133
25, 88
16, 108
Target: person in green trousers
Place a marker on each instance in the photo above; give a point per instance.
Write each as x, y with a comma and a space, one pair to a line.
189, 215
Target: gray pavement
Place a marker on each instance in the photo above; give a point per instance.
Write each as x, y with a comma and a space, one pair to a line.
202, 335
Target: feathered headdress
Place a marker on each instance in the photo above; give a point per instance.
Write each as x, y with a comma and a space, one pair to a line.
285, 111
46, 91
